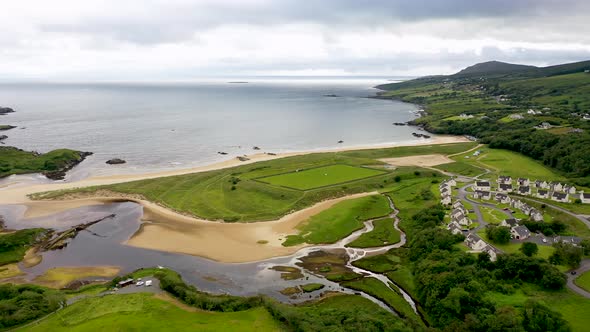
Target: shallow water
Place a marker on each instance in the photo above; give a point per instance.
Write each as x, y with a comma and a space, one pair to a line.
163, 126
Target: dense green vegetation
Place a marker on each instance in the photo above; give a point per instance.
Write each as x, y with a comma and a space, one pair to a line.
339, 221
16, 161
320, 176
562, 93
383, 234
24, 303
234, 194
13, 246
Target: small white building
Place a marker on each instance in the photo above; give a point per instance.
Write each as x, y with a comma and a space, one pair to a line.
483, 186
539, 184
560, 197
503, 198
556, 186
445, 199
569, 189
455, 228
523, 182
509, 223
504, 180
536, 215
462, 220
520, 232
585, 198
484, 195
543, 193
505, 188
524, 190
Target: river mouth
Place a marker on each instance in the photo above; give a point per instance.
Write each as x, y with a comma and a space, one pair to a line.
103, 244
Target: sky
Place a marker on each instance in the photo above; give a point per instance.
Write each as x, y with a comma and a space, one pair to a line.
134, 40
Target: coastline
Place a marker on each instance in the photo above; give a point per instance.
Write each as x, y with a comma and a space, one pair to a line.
166, 230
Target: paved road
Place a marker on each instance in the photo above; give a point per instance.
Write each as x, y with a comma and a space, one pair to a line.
584, 266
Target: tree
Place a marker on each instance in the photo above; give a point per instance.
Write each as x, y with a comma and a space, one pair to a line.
529, 249
567, 254
498, 234
538, 318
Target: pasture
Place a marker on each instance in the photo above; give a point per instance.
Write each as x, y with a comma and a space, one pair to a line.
320, 177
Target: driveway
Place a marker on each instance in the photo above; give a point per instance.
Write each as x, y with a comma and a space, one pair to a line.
584, 267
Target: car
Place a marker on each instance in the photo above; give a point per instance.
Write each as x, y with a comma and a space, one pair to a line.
505, 209
574, 273
544, 240
148, 283
139, 283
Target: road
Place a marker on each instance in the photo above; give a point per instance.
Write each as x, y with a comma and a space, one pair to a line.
584, 266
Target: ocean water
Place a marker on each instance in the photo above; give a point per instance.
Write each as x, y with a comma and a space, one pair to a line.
161, 126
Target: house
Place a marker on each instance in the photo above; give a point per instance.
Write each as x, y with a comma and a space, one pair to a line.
536, 215
475, 243
526, 209
458, 205
445, 190
523, 182
569, 189
560, 197
465, 116
502, 198
455, 228
524, 190
568, 239
533, 112
520, 232
509, 222
544, 125
556, 186
516, 117
486, 195
461, 220
541, 184
543, 193
483, 186
505, 188
445, 199
458, 212
585, 198
124, 283
504, 180
515, 203
451, 182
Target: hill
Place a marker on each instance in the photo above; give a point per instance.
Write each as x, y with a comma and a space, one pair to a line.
494, 67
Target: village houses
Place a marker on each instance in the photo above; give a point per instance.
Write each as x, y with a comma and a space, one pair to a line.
483, 186
520, 232
543, 193
585, 198
505, 188
502, 198
523, 182
484, 195
560, 197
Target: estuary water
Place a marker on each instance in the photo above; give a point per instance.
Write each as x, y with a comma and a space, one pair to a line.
178, 125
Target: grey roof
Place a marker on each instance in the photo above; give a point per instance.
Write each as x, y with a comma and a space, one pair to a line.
524, 189
482, 193
501, 196
505, 177
506, 186
542, 192
483, 183
586, 195
512, 222
559, 195
521, 231
471, 239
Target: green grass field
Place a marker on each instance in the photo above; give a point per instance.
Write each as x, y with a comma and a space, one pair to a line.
492, 216
13, 246
144, 312
506, 162
383, 234
15, 161
320, 176
339, 221
234, 194
583, 281
461, 168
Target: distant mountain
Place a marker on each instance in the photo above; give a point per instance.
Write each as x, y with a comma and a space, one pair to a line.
494, 67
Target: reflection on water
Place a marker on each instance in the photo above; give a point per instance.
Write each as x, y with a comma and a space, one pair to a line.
102, 244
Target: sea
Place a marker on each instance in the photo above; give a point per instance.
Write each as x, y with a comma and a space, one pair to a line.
160, 126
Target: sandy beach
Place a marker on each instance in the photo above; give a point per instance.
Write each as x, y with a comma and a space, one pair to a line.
171, 231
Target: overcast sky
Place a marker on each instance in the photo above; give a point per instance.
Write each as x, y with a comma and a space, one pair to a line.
188, 39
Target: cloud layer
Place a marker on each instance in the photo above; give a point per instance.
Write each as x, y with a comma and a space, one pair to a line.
183, 39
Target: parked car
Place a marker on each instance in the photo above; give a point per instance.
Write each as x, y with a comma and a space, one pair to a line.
574, 273
148, 283
139, 283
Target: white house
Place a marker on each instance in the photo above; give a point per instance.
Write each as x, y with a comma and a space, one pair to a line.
569, 189
454, 227
502, 198
461, 219
505, 188
504, 180
543, 194
458, 205
585, 198
475, 243
485, 195
524, 190
520, 232
465, 116
536, 215
456, 213
523, 182
541, 184
483, 186
516, 117
560, 197
556, 186
509, 222
445, 199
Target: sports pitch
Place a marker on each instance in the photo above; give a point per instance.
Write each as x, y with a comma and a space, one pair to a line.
320, 177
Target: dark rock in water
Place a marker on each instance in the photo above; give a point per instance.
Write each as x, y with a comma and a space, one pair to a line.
271, 154
340, 141
60, 174
6, 127
399, 123
221, 152
115, 161
425, 136
256, 148
3, 137
331, 95
241, 158
6, 110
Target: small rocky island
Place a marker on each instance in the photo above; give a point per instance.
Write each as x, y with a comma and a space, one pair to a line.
6, 110
115, 161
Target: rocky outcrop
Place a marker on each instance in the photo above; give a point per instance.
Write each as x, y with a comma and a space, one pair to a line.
6, 127
3, 137
60, 174
6, 110
115, 161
